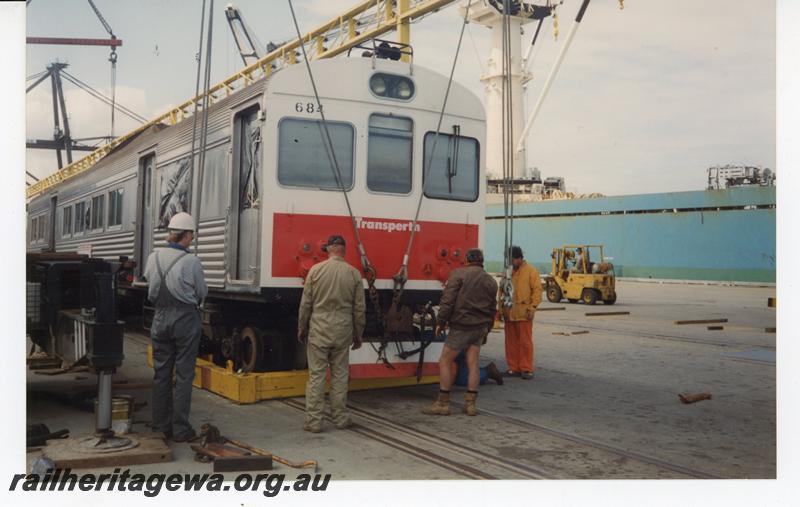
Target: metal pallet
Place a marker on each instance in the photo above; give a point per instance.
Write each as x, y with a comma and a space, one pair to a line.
244, 388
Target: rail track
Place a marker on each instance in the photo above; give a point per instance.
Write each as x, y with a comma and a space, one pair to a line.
451, 455
434, 449
466, 460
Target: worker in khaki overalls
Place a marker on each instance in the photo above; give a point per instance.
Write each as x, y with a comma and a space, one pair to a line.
332, 318
177, 288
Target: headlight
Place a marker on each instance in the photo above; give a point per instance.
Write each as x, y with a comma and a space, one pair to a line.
403, 90
378, 85
391, 86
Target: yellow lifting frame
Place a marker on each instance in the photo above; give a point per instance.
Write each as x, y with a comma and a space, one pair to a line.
244, 388
343, 32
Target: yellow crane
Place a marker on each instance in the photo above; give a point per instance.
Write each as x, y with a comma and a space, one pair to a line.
367, 20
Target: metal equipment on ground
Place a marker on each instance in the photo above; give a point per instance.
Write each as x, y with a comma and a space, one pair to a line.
72, 315
575, 276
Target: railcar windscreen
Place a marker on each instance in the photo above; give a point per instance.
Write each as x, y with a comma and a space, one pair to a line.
453, 173
303, 156
390, 149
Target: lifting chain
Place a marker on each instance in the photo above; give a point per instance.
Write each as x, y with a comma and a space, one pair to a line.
371, 275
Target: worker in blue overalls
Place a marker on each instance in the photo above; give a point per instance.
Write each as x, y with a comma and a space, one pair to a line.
177, 288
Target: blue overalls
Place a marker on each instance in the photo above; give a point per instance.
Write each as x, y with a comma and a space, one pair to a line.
176, 332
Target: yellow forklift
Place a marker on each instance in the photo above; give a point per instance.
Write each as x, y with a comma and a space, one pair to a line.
580, 273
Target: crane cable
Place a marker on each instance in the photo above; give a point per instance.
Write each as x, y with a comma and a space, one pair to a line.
369, 270
203, 124
111, 58
507, 137
98, 95
401, 277
198, 57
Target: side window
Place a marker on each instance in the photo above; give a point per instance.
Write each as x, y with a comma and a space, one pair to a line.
37, 229
115, 207
174, 196
80, 223
453, 171
98, 203
390, 149
66, 221
304, 159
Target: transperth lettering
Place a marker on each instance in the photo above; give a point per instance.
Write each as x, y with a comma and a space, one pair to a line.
384, 225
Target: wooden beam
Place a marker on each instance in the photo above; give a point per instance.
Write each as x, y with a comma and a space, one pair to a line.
700, 321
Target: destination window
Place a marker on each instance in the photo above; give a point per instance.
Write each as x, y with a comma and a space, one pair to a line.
66, 221
98, 203
115, 207
304, 159
453, 171
389, 157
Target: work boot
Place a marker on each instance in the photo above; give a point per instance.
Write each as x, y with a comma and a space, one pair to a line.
311, 428
493, 373
190, 436
469, 403
441, 406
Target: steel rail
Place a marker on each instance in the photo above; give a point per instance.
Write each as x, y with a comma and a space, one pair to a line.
458, 447
407, 448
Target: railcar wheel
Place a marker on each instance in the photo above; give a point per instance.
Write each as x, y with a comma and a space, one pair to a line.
252, 349
554, 294
589, 296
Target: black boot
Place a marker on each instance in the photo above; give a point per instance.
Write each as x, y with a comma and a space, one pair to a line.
493, 373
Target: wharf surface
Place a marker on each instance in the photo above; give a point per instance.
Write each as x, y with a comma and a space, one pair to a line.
602, 404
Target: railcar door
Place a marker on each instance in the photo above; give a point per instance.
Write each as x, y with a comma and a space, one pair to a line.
247, 194
144, 212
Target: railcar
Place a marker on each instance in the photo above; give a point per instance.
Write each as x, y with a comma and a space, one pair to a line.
267, 199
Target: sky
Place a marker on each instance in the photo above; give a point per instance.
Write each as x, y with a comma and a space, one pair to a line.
647, 99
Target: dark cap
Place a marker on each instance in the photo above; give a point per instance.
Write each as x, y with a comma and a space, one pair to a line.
516, 252
335, 240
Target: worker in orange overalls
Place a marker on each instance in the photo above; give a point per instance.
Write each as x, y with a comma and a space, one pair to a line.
519, 318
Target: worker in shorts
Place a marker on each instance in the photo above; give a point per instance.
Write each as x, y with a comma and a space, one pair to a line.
467, 308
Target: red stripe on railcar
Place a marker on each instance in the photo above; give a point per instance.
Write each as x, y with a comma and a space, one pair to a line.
439, 247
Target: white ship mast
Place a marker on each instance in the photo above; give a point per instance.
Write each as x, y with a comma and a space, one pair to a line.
482, 12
